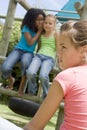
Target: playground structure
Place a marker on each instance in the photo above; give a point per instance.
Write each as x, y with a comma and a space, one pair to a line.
10, 18
5, 42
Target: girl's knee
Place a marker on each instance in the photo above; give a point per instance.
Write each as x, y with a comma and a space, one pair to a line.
30, 74
25, 65
5, 68
43, 77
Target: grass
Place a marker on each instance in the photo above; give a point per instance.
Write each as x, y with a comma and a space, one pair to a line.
20, 120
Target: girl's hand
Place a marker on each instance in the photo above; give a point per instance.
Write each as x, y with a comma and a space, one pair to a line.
40, 27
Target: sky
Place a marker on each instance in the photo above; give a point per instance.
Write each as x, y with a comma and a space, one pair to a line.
43, 4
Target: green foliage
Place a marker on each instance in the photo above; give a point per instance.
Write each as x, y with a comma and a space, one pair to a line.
15, 36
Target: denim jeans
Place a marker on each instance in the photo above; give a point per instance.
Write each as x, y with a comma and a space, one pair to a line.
13, 58
44, 64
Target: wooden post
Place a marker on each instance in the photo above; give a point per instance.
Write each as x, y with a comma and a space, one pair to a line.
81, 9
7, 27
84, 11
78, 6
60, 116
24, 4
13, 93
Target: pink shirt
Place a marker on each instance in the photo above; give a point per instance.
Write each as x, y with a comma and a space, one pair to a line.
74, 84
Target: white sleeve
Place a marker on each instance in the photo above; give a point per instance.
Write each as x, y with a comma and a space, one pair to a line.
7, 125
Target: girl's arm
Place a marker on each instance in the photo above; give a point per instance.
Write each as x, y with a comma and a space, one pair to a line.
31, 39
47, 109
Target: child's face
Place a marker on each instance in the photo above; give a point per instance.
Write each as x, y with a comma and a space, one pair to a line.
39, 21
49, 24
68, 54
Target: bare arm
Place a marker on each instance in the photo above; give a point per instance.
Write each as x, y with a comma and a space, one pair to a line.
31, 39
47, 109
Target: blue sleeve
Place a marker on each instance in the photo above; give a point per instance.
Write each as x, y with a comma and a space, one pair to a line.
25, 29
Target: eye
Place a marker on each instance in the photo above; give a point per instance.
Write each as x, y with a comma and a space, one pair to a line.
63, 47
50, 23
